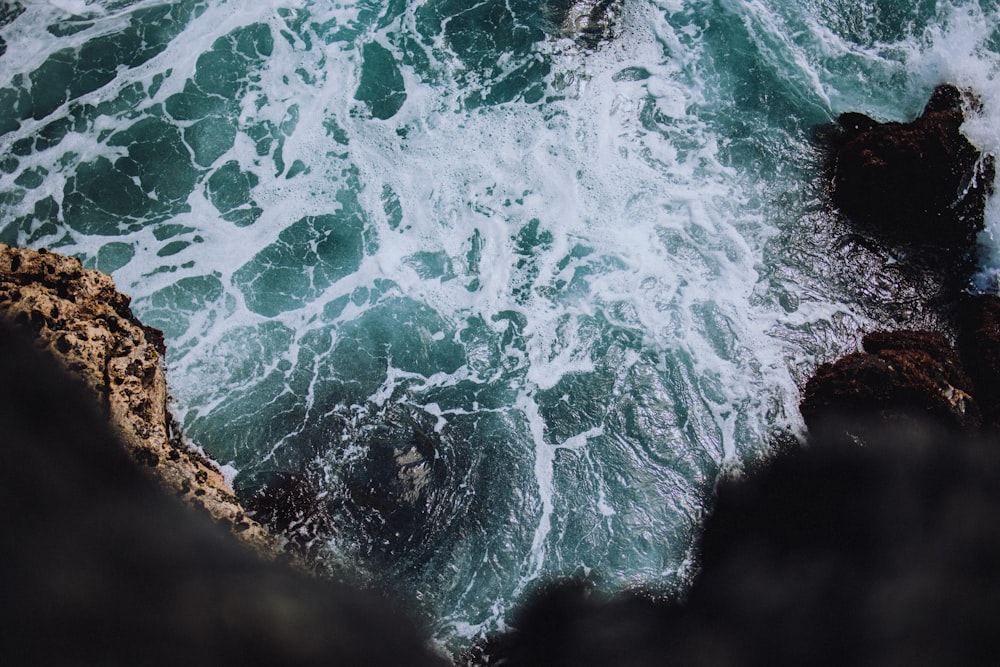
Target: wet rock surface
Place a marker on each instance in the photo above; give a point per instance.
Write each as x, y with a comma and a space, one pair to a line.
78, 316
589, 22
294, 508
919, 189
899, 375
920, 182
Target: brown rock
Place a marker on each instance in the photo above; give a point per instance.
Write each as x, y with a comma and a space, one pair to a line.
979, 345
99, 567
902, 374
79, 316
918, 182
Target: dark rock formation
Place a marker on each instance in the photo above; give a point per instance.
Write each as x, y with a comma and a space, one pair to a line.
979, 346
590, 22
919, 182
392, 488
389, 491
99, 567
869, 556
79, 316
292, 507
900, 375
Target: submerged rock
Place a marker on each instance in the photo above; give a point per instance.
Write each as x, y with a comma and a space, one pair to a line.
79, 316
918, 182
293, 507
590, 22
395, 490
900, 375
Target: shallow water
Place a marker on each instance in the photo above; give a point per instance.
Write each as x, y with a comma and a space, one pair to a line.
539, 293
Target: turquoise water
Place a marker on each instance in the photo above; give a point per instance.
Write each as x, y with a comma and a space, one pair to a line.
538, 291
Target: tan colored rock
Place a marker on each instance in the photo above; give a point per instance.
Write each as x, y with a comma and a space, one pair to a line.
79, 316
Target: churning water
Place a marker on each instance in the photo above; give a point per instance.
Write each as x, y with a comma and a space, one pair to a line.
506, 296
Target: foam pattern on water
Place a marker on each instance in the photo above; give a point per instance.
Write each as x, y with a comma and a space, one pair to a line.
554, 291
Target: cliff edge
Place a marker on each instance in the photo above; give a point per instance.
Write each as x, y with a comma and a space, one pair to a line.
80, 317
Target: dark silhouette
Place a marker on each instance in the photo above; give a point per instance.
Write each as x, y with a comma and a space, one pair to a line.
887, 554
99, 567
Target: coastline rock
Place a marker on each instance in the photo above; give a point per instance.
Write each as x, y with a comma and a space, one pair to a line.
979, 346
99, 567
79, 317
881, 555
919, 182
900, 375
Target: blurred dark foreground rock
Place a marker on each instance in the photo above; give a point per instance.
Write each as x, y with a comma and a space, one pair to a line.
887, 554
99, 567
86, 323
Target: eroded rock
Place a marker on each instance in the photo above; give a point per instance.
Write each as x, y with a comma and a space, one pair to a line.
919, 182
99, 567
79, 316
899, 375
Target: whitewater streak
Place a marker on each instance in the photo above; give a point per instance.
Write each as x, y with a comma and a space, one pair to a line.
443, 250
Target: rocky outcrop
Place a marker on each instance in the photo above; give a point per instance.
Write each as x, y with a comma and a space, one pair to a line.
589, 22
921, 186
979, 346
99, 567
79, 316
899, 375
918, 182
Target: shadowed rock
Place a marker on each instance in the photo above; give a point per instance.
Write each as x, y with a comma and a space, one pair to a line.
919, 182
868, 556
900, 375
79, 316
979, 346
99, 567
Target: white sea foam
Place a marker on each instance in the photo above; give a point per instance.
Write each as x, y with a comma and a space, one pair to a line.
619, 207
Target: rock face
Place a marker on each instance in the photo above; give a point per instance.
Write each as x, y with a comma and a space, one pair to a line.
979, 346
99, 567
899, 375
918, 182
79, 316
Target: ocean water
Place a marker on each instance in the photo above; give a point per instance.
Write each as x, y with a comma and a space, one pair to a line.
504, 296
